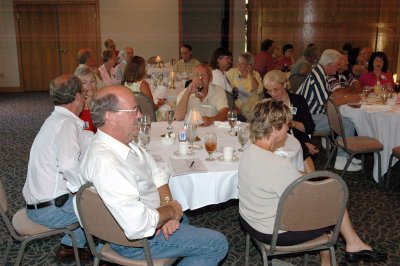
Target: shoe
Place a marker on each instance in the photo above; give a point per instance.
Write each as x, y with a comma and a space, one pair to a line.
64, 252
341, 163
366, 255
323, 143
356, 161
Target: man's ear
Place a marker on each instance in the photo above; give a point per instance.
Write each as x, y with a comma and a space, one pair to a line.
109, 117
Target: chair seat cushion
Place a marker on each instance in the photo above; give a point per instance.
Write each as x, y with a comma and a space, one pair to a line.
396, 151
113, 256
361, 144
317, 242
25, 226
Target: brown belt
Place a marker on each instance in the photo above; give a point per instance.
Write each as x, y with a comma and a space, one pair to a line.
58, 202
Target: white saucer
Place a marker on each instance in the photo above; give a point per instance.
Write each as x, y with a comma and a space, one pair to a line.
234, 159
197, 147
188, 153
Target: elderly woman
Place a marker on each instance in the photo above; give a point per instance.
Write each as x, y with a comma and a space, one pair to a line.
247, 82
263, 177
107, 70
220, 63
134, 78
302, 124
377, 71
89, 83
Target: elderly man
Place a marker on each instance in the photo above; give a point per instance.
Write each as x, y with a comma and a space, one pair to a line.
264, 61
53, 169
187, 63
208, 99
127, 55
136, 191
85, 59
317, 90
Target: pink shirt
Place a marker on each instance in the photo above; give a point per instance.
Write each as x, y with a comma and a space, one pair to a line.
369, 79
263, 63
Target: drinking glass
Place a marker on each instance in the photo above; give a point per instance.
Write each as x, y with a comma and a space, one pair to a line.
170, 116
232, 118
144, 136
198, 93
210, 143
384, 95
191, 133
145, 121
365, 93
243, 136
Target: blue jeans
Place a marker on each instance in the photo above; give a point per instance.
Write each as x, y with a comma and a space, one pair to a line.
322, 124
55, 218
198, 246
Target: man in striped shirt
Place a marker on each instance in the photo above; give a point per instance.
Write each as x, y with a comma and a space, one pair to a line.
317, 90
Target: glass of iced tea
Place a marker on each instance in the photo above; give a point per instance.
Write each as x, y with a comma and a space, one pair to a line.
210, 143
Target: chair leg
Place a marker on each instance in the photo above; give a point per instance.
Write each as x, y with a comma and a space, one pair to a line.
21, 252
7, 252
330, 156
347, 165
96, 261
75, 246
333, 256
247, 251
380, 183
328, 146
389, 172
305, 259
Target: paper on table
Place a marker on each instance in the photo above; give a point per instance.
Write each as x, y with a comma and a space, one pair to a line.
225, 124
186, 166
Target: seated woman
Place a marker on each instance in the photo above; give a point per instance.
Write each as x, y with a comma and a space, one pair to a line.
107, 70
134, 75
247, 82
263, 176
377, 71
220, 63
88, 79
302, 124
287, 61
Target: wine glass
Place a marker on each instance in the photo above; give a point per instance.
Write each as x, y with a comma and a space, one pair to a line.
198, 93
210, 143
243, 136
191, 133
170, 116
232, 118
384, 95
365, 93
144, 136
145, 121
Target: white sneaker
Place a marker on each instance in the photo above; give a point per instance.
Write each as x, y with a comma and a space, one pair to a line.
341, 163
356, 161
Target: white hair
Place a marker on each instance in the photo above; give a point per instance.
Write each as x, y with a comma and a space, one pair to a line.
329, 56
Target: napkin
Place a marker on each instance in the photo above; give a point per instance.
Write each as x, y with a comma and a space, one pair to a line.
225, 125
376, 108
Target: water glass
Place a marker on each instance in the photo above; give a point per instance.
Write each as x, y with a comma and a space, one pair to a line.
243, 136
191, 133
170, 116
144, 136
232, 119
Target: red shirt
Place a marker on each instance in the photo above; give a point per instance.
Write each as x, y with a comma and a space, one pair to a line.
85, 116
263, 63
369, 79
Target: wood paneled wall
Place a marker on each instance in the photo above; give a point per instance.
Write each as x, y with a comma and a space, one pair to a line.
327, 23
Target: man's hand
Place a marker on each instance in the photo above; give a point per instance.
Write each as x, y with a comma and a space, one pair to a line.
208, 121
177, 209
168, 228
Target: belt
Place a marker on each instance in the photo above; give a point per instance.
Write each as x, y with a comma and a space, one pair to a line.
58, 202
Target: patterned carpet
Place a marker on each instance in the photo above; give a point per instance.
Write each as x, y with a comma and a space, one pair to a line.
375, 212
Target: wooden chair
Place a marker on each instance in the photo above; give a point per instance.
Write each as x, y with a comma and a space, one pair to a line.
395, 153
25, 230
146, 105
307, 205
97, 221
351, 145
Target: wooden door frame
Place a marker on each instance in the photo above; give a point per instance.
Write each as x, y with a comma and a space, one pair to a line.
49, 2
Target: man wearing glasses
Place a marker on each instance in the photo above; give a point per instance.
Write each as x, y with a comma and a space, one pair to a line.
136, 190
208, 99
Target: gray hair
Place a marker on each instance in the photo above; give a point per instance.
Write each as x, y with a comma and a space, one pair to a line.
64, 88
83, 71
275, 76
100, 105
329, 56
84, 55
248, 57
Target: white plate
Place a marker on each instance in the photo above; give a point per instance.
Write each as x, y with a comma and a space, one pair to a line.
178, 154
234, 159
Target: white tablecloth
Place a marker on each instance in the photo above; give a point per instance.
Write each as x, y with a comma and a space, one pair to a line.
219, 183
380, 122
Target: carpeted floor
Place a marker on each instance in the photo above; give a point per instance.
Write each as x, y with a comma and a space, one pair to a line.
375, 212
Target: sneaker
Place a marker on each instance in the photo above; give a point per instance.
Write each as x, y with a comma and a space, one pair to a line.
341, 163
356, 161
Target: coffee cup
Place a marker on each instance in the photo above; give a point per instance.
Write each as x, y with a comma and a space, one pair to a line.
228, 153
183, 147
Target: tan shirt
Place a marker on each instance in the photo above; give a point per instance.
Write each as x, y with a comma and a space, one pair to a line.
186, 67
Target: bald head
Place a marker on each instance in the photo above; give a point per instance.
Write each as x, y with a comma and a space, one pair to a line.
64, 88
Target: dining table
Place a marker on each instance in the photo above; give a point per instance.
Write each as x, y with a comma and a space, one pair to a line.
373, 119
216, 181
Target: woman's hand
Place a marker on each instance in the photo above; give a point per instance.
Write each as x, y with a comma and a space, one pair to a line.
311, 148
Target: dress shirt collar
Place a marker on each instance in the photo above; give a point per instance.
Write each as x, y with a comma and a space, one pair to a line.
65, 111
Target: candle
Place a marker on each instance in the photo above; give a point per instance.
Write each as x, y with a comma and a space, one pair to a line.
158, 59
395, 78
172, 75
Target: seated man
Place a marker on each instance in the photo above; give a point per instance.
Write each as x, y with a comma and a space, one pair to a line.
53, 168
317, 90
187, 63
126, 55
208, 99
136, 191
85, 59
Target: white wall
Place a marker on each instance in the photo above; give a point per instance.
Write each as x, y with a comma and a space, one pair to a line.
150, 26
238, 29
9, 74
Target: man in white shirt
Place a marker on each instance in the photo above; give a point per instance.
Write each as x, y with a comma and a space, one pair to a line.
208, 99
126, 55
53, 168
136, 191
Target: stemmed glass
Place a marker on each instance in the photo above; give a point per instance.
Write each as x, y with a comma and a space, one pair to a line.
210, 143
243, 136
232, 118
191, 133
144, 136
365, 93
170, 116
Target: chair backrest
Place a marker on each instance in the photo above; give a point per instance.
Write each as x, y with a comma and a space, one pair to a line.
146, 105
97, 220
231, 100
313, 201
335, 120
296, 80
3, 198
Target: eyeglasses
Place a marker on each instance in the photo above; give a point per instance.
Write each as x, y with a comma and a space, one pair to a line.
200, 75
135, 110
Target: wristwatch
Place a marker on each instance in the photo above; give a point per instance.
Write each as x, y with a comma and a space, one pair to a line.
167, 199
